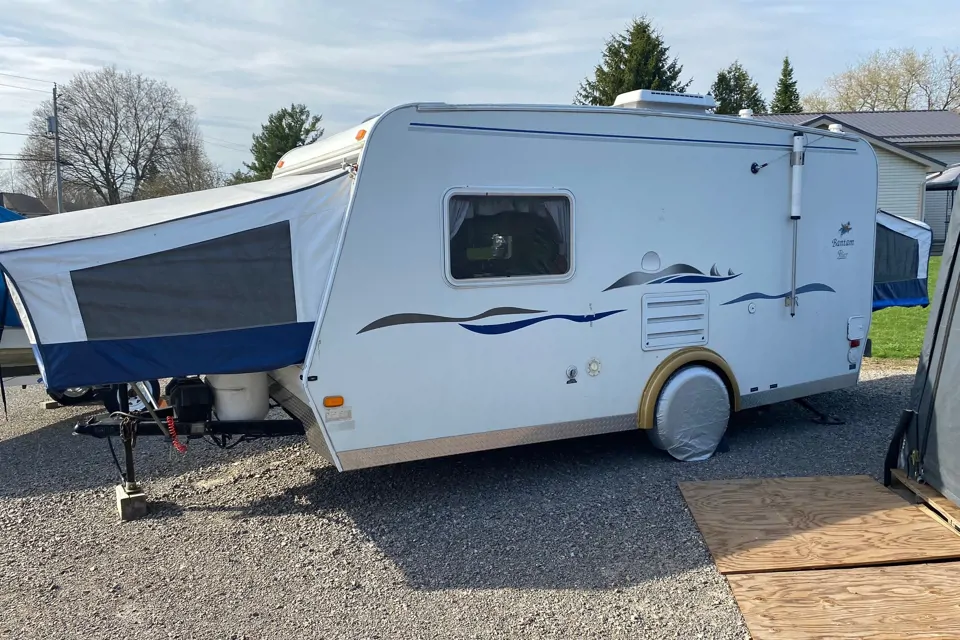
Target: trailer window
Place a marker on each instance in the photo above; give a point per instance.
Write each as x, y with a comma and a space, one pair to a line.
508, 236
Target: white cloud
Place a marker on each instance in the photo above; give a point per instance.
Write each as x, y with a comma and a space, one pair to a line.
237, 61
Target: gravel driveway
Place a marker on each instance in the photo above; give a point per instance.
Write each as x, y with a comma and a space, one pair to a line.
580, 539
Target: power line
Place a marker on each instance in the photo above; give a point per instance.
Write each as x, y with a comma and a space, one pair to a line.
238, 144
13, 86
10, 75
223, 146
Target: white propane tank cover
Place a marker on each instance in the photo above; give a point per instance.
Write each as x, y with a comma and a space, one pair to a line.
746, 113
836, 128
241, 396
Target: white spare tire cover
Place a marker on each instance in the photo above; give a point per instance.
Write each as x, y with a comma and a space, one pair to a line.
692, 414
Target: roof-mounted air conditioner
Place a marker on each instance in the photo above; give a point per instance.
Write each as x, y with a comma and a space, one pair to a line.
665, 101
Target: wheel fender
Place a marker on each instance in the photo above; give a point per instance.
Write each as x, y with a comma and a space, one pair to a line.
680, 358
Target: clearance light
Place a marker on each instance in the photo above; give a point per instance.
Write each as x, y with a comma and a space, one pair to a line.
854, 344
361, 134
333, 401
279, 164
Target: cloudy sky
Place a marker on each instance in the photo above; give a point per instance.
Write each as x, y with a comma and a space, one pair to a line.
239, 60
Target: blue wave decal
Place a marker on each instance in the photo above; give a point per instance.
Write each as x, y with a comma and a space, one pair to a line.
507, 327
696, 279
676, 273
807, 288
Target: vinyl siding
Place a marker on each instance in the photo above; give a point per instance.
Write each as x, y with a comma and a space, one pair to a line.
936, 210
900, 184
950, 155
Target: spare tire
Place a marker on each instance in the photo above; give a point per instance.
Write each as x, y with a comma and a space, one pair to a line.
73, 395
110, 396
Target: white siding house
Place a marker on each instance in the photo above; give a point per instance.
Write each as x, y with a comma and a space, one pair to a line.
901, 184
948, 154
910, 145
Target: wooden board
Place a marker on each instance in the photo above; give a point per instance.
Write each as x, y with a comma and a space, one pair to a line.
870, 603
933, 498
777, 524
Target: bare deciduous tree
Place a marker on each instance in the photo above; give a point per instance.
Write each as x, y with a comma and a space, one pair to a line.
117, 131
36, 173
184, 167
894, 79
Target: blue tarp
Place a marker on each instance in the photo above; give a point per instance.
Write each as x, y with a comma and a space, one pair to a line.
8, 314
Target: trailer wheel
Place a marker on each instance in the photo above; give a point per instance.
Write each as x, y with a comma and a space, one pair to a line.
73, 395
111, 397
692, 413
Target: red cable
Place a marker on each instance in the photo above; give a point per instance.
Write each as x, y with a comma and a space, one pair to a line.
179, 446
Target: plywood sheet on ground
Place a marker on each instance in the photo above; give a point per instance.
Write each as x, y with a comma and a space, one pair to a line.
776, 524
868, 603
947, 509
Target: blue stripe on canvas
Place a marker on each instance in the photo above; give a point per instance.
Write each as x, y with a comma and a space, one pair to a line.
80, 364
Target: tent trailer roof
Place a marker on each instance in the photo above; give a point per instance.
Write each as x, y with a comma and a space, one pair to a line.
330, 153
946, 180
118, 218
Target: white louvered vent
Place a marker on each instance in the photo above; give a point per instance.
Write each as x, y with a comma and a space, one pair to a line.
675, 320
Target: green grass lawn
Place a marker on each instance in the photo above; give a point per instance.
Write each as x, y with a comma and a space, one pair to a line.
898, 332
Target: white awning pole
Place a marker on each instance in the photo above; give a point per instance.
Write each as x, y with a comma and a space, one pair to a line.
796, 164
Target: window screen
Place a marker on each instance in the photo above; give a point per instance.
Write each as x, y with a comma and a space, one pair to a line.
503, 236
237, 281
897, 257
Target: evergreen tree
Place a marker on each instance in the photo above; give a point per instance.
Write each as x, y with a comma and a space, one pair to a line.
734, 89
284, 130
634, 59
786, 99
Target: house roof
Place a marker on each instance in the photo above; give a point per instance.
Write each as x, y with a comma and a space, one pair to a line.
890, 130
900, 127
23, 204
51, 204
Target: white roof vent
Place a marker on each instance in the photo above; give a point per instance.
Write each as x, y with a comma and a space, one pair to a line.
836, 128
746, 113
665, 101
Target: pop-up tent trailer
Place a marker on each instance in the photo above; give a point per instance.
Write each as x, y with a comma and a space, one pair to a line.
16, 354
926, 443
941, 193
453, 278
219, 281
902, 262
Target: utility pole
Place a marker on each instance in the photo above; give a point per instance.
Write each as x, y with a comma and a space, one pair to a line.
56, 150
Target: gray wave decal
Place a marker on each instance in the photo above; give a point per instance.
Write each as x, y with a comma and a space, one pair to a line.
640, 277
807, 288
673, 273
422, 318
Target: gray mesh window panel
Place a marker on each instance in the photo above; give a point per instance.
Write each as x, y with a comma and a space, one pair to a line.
897, 257
237, 281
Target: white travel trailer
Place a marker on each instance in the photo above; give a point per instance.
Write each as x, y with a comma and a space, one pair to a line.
450, 278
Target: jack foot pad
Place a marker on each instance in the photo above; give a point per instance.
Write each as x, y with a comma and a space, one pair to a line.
131, 504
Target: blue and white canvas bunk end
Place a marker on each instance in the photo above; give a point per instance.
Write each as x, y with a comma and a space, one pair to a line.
224, 280
902, 262
8, 313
